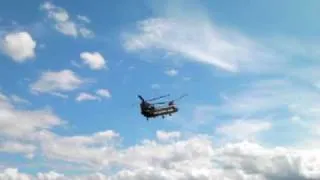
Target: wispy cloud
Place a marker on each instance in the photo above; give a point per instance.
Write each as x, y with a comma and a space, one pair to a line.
243, 129
285, 103
19, 100
193, 35
200, 41
84, 18
63, 22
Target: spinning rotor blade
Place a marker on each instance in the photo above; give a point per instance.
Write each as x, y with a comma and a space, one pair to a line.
158, 97
164, 102
182, 96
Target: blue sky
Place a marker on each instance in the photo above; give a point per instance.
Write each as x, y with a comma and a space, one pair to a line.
70, 72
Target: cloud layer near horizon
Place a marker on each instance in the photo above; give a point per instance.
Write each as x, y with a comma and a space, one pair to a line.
172, 155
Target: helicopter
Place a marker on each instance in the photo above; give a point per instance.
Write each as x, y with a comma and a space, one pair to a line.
149, 110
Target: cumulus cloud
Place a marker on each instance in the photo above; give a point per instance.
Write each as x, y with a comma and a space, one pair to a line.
94, 60
57, 81
169, 156
191, 158
63, 22
20, 46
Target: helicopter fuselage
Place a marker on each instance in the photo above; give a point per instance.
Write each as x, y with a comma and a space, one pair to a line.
149, 110
159, 112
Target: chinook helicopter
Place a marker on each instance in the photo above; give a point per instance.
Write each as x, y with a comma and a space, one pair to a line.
149, 110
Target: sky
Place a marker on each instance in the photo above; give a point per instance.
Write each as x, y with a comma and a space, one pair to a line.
71, 71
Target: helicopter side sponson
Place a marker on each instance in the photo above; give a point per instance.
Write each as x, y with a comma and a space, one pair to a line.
165, 110
161, 112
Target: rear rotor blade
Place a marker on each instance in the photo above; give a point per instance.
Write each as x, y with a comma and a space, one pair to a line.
177, 99
182, 96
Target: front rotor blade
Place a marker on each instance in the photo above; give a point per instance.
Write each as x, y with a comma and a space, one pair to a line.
158, 97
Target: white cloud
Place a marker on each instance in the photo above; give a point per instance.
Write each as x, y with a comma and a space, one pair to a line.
201, 41
60, 95
94, 60
101, 93
12, 173
59, 81
16, 147
243, 129
288, 104
63, 22
18, 123
20, 46
104, 93
19, 128
51, 176
171, 72
86, 97
94, 150
192, 158
167, 136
